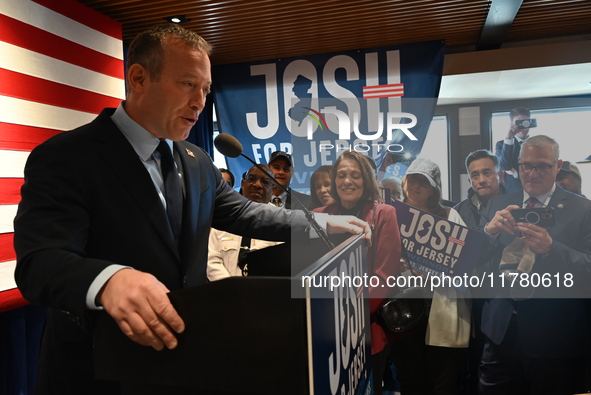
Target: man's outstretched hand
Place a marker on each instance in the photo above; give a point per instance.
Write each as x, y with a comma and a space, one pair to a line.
348, 224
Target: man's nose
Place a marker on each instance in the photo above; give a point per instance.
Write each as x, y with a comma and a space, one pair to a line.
258, 183
198, 101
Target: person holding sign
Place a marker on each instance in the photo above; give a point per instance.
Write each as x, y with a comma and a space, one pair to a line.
355, 190
429, 359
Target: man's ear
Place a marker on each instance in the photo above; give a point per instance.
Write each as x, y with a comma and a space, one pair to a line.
137, 76
558, 165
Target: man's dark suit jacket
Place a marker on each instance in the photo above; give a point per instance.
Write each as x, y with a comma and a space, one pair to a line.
293, 204
88, 202
508, 154
548, 327
509, 159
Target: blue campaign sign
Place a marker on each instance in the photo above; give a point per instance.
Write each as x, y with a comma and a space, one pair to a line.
436, 246
374, 100
339, 327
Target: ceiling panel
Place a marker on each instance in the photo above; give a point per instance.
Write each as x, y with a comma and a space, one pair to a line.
264, 29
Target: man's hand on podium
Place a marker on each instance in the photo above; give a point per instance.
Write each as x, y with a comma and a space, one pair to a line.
348, 224
139, 304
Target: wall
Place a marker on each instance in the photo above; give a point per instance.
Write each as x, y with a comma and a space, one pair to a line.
60, 64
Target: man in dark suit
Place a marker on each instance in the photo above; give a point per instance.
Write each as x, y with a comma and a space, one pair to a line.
537, 344
508, 150
281, 164
117, 212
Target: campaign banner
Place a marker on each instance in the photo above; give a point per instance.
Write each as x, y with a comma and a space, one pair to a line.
375, 101
436, 246
338, 322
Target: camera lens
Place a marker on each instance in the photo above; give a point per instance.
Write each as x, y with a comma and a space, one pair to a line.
532, 217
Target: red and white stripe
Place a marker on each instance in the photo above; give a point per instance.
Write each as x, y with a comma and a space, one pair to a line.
378, 91
456, 241
61, 63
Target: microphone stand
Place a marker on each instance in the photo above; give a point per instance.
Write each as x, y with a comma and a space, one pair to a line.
309, 215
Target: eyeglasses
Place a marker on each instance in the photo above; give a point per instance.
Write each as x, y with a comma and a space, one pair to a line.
541, 168
252, 179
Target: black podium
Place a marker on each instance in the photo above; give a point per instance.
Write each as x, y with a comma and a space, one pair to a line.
252, 335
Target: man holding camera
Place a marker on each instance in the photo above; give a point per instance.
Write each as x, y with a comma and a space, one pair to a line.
537, 344
508, 150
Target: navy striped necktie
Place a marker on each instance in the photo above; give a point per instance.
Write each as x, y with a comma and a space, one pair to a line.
172, 188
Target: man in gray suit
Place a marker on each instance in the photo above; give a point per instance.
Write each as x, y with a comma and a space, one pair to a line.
537, 344
98, 228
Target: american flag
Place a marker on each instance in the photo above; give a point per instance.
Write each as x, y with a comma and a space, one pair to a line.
61, 63
378, 91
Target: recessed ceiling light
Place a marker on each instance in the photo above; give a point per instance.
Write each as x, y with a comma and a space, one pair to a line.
177, 19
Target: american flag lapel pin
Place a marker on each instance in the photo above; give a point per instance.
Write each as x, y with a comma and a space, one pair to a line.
190, 153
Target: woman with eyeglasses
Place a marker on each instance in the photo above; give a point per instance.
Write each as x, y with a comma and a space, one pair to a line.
429, 359
355, 191
224, 257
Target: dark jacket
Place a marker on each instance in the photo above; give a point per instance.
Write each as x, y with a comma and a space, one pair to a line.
87, 203
509, 159
548, 325
306, 200
469, 212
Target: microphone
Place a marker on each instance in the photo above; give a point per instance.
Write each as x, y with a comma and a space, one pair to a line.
230, 146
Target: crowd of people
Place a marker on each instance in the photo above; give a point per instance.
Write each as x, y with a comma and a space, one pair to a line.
465, 345
79, 184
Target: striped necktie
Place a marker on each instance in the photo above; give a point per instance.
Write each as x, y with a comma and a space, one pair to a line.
172, 188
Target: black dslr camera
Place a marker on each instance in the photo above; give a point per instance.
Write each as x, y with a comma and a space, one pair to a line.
526, 123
